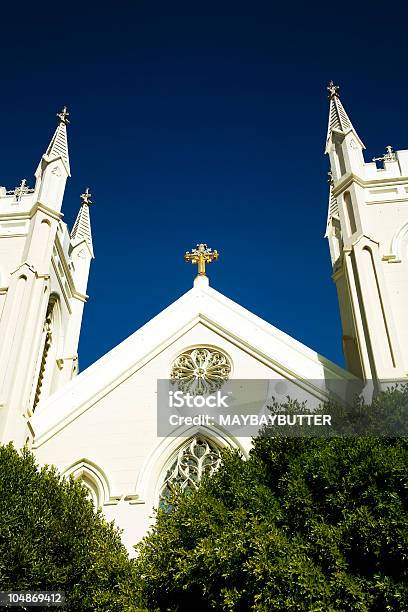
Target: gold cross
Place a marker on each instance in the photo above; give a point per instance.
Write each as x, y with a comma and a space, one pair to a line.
201, 255
86, 197
63, 116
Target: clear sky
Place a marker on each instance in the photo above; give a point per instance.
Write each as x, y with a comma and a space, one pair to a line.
201, 122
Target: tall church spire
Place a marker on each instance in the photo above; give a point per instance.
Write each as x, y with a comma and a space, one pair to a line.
82, 226
343, 144
58, 146
339, 121
54, 169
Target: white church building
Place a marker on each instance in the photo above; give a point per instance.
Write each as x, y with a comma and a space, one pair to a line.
100, 425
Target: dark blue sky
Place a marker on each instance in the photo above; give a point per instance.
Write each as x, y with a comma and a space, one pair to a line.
201, 122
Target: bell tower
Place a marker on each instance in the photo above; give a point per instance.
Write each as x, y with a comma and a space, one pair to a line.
367, 229
43, 278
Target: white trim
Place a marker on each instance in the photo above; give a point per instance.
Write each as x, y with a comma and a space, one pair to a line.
86, 467
396, 254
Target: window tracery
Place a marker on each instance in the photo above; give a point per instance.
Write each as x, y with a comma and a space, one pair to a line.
198, 457
200, 370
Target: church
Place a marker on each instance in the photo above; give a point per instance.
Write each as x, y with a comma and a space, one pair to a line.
101, 425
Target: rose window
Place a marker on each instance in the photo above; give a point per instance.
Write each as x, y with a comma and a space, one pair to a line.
200, 371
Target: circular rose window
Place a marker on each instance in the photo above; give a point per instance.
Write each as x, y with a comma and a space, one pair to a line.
200, 370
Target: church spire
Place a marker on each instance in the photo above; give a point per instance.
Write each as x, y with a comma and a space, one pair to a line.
343, 144
339, 121
82, 226
58, 147
53, 170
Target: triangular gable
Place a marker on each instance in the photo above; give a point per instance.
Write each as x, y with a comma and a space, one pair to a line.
201, 304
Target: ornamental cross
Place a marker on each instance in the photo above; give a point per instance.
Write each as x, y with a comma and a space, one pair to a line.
333, 90
200, 256
22, 189
389, 155
63, 116
86, 197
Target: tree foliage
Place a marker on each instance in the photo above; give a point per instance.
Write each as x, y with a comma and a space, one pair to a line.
51, 539
305, 524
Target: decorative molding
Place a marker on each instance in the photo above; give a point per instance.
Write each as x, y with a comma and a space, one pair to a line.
30, 268
49, 211
391, 259
83, 297
133, 499
85, 467
393, 201
28, 214
14, 228
350, 178
397, 242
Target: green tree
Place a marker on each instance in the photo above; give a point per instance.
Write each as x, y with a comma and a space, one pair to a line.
51, 539
305, 524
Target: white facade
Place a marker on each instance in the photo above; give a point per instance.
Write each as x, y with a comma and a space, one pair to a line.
43, 278
101, 425
368, 236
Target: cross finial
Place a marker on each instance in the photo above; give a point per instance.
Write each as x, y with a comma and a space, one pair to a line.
63, 116
388, 156
333, 90
21, 190
200, 256
86, 197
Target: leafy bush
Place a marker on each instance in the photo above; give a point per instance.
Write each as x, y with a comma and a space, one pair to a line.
305, 524
51, 539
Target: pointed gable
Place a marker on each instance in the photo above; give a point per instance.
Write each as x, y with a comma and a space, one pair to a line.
204, 308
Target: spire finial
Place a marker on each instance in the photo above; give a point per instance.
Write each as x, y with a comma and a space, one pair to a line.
333, 90
63, 116
86, 197
200, 256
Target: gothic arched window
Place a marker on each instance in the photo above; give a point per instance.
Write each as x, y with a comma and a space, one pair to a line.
93, 479
197, 457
